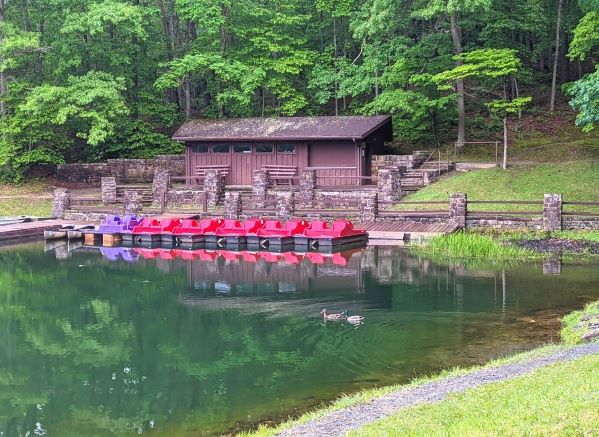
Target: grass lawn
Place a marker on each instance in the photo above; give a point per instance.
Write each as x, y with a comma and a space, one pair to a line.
33, 198
576, 181
561, 399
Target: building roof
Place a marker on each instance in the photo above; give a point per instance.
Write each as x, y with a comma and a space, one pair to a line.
353, 127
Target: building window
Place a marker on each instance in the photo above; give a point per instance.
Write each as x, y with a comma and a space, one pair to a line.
264, 148
285, 148
220, 148
242, 148
199, 149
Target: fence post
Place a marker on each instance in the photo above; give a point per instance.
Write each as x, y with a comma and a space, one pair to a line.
214, 186
307, 192
160, 185
389, 184
552, 212
133, 202
232, 205
286, 206
61, 202
260, 187
108, 190
458, 209
369, 208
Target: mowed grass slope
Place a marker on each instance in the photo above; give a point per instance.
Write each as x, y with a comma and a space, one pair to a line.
33, 198
576, 181
561, 399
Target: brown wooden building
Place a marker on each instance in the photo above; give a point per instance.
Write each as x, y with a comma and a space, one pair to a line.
338, 148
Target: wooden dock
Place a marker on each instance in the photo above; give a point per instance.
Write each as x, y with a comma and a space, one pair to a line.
27, 230
397, 232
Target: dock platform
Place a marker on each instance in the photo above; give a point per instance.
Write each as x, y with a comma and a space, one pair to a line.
395, 232
27, 230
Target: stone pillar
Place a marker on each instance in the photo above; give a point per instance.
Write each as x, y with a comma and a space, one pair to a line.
133, 202
232, 205
307, 192
108, 190
369, 208
552, 266
285, 206
458, 209
214, 186
261, 184
552, 212
61, 202
160, 186
389, 184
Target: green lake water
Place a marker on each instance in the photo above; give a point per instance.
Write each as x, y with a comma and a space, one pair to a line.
94, 344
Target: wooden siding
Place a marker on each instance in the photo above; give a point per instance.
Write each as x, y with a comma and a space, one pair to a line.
243, 164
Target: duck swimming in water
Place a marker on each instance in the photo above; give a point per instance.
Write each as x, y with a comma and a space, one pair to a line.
332, 316
353, 319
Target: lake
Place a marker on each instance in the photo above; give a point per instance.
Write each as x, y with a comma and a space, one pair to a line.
183, 343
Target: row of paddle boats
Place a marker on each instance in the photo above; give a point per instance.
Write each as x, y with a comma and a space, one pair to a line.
173, 232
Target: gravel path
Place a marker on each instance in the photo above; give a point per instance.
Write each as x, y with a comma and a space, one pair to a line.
339, 422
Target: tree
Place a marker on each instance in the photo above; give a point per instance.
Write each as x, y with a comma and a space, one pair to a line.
453, 9
496, 66
556, 54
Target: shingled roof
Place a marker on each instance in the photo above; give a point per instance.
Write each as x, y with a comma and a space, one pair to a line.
283, 128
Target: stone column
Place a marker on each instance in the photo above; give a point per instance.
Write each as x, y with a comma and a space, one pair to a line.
285, 206
261, 184
552, 212
369, 208
61, 202
389, 184
307, 192
160, 186
214, 186
108, 190
133, 202
552, 266
232, 205
458, 209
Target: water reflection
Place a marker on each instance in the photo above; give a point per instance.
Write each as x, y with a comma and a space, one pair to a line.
125, 341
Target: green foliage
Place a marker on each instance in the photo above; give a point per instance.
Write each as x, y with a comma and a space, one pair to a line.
490, 63
53, 118
586, 36
507, 107
224, 58
466, 245
585, 93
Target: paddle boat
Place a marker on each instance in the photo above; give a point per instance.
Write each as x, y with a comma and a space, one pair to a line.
193, 231
320, 235
274, 233
151, 232
234, 232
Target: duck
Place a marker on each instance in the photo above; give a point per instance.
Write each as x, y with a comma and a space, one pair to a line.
352, 319
332, 316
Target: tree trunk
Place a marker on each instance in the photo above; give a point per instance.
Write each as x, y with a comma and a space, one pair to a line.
335, 64
457, 45
504, 164
556, 55
187, 86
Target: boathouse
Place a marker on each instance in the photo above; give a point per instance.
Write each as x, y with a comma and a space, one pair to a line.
338, 148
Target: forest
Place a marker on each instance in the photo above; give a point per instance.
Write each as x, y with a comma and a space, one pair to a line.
85, 80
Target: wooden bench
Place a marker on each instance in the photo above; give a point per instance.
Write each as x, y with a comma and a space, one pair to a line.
200, 170
281, 172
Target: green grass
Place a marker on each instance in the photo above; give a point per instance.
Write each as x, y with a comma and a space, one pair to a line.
573, 326
22, 206
576, 181
560, 399
472, 245
26, 199
367, 395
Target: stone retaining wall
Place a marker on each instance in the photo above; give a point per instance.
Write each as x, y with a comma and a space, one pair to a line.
125, 171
